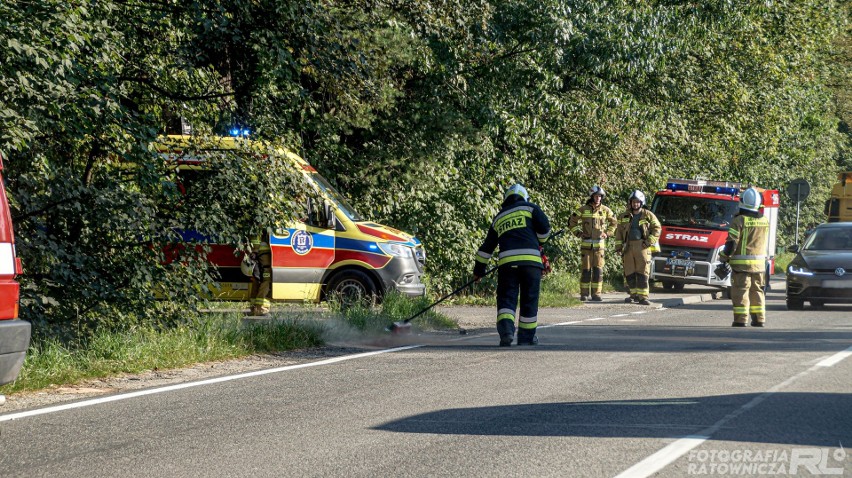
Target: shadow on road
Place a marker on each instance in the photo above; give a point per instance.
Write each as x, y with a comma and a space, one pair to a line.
814, 419
663, 338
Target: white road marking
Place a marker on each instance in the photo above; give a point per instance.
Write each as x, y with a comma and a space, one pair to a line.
836, 358
681, 446
620, 315
180, 386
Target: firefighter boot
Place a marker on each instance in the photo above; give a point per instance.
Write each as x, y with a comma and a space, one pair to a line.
506, 329
756, 321
527, 337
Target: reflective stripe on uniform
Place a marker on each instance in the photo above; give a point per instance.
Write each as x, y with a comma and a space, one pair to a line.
505, 314
527, 322
519, 252
483, 257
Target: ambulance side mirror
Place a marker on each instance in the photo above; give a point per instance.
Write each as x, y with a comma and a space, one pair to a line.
329, 216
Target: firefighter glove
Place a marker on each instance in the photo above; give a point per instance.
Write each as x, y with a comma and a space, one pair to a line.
722, 271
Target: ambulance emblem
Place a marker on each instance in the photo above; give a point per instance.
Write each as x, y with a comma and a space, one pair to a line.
302, 242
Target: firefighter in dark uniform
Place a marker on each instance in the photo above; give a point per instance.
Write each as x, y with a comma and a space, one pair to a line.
636, 238
593, 224
519, 229
745, 252
261, 279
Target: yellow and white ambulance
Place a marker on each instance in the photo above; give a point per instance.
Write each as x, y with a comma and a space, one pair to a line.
333, 251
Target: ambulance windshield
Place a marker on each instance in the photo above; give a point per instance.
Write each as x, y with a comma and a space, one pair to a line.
339, 201
697, 212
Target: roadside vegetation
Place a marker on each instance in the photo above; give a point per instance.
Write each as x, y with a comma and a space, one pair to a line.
210, 336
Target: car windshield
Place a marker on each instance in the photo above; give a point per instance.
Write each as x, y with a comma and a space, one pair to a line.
829, 239
705, 213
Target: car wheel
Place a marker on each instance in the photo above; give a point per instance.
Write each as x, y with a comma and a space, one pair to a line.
795, 304
817, 303
351, 286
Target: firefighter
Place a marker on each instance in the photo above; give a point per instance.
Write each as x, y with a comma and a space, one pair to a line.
593, 223
519, 229
261, 279
636, 239
745, 252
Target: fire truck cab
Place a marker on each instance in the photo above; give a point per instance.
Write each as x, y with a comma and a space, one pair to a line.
695, 216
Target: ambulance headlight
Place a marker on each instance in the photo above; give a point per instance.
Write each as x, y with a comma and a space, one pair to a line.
397, 250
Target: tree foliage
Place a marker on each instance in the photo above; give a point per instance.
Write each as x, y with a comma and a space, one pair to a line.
420, 111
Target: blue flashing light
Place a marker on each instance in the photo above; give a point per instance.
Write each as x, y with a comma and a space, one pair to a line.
727, 191
677, 186
240, 132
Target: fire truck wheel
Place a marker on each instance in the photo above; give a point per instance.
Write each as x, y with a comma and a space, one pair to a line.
726, 293
351, 286
678, 285
667, 284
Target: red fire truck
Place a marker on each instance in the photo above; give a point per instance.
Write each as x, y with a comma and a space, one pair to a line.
695, 215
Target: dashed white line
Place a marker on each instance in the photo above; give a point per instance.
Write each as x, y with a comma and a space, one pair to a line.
835, 359
681, 446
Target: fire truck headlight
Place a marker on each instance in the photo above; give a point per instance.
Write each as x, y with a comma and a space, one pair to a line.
397, 250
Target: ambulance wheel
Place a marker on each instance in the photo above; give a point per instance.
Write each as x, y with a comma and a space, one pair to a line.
351, 286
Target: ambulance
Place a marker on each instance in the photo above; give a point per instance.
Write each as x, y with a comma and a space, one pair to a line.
333, 250
695, 216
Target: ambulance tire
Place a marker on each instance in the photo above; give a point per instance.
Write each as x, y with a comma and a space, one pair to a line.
351, 286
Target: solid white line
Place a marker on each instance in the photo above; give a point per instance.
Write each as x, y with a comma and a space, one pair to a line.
836, 358
619, 315
664, 457
180, 386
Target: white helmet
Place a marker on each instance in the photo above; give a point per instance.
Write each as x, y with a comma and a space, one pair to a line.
517, 189
247, 265
637, 194
750, 200
597, 190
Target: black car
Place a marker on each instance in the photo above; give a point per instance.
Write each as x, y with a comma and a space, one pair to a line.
821, 272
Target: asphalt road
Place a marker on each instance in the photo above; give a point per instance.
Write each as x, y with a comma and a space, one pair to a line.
612, 389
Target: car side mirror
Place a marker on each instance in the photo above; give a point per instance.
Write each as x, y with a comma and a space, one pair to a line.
793, 248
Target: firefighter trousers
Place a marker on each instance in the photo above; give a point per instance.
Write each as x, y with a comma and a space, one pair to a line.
260, 302
747, 296
591, 276
637, 268
514, 281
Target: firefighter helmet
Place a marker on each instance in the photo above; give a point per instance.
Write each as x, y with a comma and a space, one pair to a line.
247, 265
517, 189
637, 194
750, 200
597, 190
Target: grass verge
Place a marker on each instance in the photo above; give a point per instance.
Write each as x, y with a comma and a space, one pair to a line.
209, 337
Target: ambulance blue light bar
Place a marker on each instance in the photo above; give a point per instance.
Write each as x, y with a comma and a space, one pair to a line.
703, 186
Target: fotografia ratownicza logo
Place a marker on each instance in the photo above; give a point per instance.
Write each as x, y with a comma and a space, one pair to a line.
798, 461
